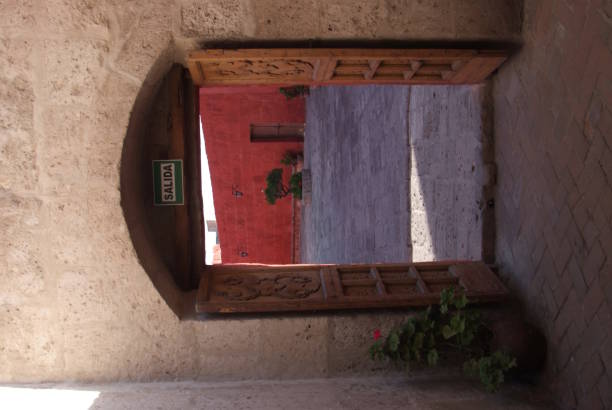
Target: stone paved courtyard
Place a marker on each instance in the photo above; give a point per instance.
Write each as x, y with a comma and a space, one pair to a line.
397, 174
553, 136
416, 393
356, 146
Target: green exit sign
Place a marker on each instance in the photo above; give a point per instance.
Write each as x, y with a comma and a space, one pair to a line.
168, 182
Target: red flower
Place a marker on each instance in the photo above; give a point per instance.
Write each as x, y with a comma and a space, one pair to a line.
376, 334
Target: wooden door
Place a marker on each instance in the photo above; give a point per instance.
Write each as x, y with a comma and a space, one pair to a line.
261, 288
342, 66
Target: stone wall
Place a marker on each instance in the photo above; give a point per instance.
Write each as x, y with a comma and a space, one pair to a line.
75, 301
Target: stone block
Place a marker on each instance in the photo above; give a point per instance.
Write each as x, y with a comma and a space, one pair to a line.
19, 14
420, 20
228, 349
30, 343
104, 219
17, 113
73, 69
503, 19
349, 19
293, 348
142, 50
18, 58
66, 219
605, 387
592, 301
67, 17
593, 263
22, 259
106, 356
351, 335
219, 19
286, 19
18, 150
64, 138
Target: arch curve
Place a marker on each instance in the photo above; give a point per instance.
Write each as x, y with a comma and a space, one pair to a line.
147, 225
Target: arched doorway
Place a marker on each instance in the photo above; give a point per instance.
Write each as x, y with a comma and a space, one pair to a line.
177, 232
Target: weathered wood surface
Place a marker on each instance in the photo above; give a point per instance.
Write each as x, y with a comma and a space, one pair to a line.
176, 150
276, 288
342, 66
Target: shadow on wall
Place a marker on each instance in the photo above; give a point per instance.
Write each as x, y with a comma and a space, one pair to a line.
451, 148
142, 143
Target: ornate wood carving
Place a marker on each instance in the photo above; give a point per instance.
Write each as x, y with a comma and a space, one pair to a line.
261, 288
284, 286
343, 66
252, 69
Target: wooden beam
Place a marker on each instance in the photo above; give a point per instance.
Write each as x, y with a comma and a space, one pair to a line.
380, 285
342, 66
477, 69
327, 284
259, 288
182, 247
337, 53
374, 64
335, 277
330, 69
420, 282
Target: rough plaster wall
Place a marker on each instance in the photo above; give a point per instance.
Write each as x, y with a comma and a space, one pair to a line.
75, 302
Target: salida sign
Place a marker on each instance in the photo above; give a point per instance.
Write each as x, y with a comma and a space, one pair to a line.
168, 182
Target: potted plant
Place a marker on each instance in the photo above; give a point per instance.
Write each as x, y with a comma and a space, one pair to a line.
450, 332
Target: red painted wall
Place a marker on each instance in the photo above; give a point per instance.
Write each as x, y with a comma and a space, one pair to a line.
248, 223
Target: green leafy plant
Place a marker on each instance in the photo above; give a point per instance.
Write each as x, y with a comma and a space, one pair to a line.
275, 189
274, 186
290, 158
490, 369
441, 332
295, 185
295, 91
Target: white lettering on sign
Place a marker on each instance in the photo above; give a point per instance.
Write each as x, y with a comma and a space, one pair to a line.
167, 182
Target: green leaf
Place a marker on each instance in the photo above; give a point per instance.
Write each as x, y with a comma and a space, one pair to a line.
431, 341
432, 357
408, 329
393, 341
461, 302
466, 338
447, 332
295, 185
490, 369
417, 343
376, 351
405, 352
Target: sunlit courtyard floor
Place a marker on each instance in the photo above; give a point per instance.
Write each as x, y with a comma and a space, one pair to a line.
319, 394
397, 174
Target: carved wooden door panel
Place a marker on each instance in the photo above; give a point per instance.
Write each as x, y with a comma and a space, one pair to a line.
342, 66
260, 288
